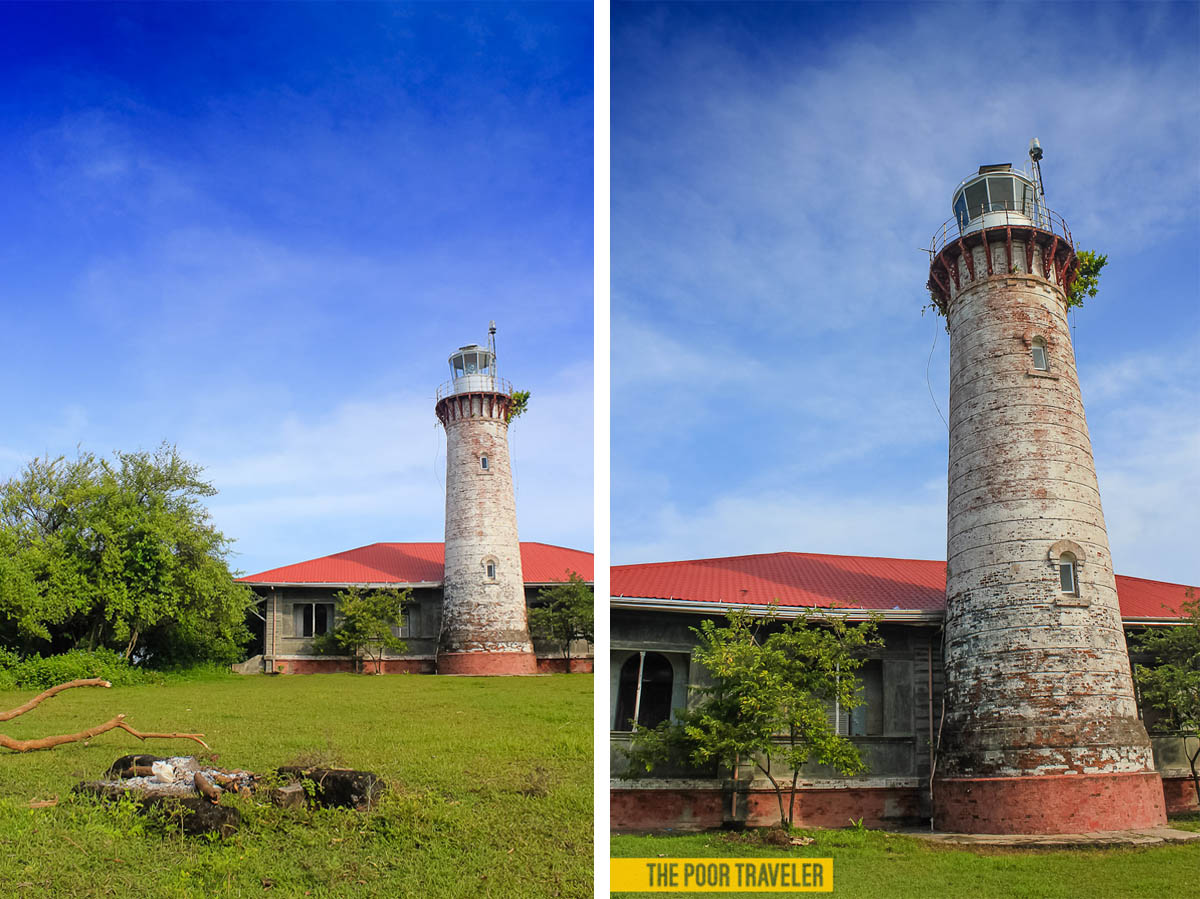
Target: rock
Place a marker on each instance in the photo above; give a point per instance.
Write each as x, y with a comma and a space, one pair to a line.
194, 814
339, 787
291, 796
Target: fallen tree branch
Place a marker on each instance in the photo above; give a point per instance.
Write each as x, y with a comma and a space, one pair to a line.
42, 697
119, 722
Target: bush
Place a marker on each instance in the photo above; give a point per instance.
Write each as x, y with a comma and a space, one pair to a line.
37, 673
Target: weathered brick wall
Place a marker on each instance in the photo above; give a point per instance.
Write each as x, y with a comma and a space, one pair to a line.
1038, 681
481, 615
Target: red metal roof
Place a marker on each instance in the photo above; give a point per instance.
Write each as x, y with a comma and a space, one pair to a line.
418, 563
808, 579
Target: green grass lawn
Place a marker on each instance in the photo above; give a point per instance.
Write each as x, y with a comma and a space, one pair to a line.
877, 864
490, 790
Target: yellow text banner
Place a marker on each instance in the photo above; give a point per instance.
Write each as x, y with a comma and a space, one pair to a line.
721, 875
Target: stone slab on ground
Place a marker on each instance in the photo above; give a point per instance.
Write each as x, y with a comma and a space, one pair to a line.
1149, 836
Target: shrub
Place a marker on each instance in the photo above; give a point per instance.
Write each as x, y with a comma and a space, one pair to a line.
37, 673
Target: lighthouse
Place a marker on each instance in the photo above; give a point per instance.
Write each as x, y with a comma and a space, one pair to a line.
1041, 732
485, 628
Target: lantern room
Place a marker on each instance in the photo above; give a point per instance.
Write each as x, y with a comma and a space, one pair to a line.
997, 195
473, 369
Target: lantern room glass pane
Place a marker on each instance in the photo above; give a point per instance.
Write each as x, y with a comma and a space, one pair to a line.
457, 365
976, 195
1001, 191
469, 362
960, 211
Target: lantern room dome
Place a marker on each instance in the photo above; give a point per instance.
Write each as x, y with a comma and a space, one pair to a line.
472, 369
997, 195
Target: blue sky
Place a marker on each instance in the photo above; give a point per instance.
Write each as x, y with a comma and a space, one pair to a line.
257, 232
776, 171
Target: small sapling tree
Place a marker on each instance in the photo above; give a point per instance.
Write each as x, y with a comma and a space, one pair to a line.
566, 612
771, 693
366, 619
1170, 680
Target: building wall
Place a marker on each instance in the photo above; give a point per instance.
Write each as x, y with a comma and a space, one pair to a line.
899, 750
281, 645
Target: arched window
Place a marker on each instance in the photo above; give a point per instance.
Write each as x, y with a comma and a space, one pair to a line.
483, 462
491, 571
1041, 362
644, 691
1067, 573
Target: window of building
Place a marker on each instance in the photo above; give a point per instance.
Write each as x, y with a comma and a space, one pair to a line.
404, 629
483, 462
644, 691
490, 568
866, 720
311, 619
1067, 573
1041, 361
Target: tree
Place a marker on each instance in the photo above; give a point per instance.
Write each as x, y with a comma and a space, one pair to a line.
1171, 682
121, 554
366, 620
1087, 277
518, 404
566, 612
769, 699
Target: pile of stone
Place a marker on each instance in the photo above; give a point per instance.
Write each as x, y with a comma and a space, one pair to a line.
185, 787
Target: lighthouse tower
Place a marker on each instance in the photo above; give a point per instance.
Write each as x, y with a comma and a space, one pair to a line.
485, 628
1041, 731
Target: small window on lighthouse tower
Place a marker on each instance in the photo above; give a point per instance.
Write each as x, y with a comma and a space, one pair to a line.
1066, 573
1040, 360
491, 571
483, 462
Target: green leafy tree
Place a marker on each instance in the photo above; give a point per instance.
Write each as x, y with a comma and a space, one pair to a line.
366, 619
565, 612
518, 404
1087, 277
772, 688
121, 554
1170, 682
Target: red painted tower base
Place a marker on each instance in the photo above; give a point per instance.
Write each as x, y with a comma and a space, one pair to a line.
487, 664
1060, 803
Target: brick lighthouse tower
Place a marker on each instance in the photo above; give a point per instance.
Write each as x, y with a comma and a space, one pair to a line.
1041, 732
485, 629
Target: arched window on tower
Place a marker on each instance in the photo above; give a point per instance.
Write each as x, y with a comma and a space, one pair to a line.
1041, 362
644, 691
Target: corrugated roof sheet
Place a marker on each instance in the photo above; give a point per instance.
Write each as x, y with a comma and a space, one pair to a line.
419, 563
809, 579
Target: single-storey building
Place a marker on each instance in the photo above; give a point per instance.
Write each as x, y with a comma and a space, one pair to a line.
655, 606
298, 602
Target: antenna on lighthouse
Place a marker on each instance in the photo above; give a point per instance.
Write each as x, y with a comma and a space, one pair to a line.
492, 343
1035, 155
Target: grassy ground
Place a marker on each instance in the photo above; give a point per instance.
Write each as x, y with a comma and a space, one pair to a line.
874, 864
491, 790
